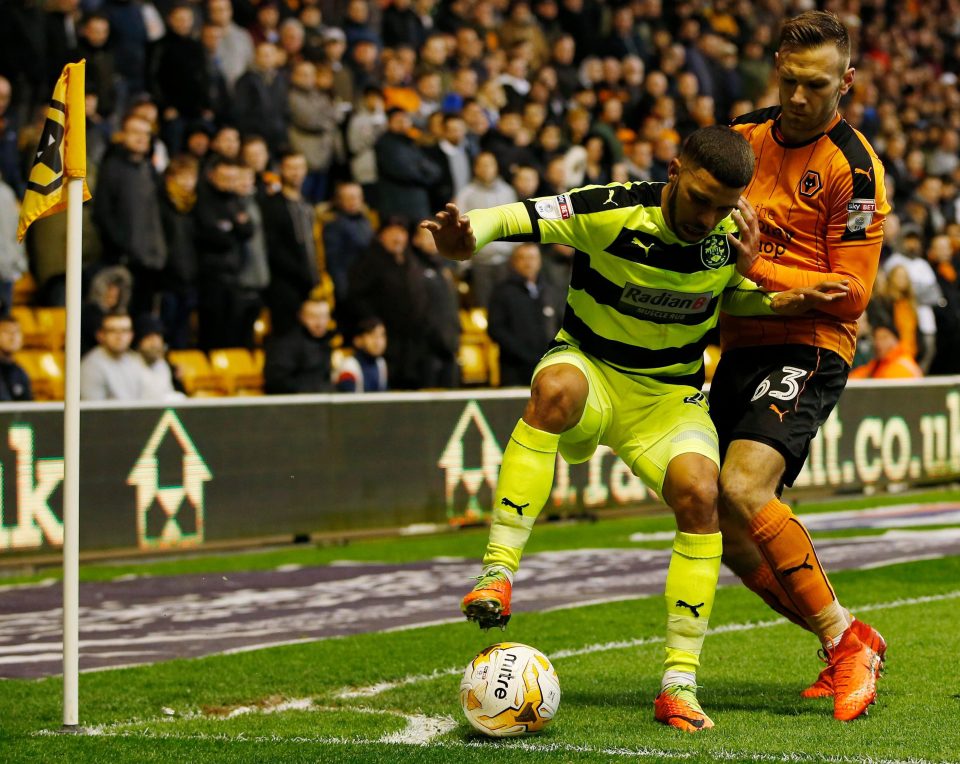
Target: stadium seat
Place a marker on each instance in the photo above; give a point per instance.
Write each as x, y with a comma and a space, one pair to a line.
474, 321
493, 363
28, 324
24, 289
711, 357
474, 362
51, 324
199, 378
45, 369
236, 368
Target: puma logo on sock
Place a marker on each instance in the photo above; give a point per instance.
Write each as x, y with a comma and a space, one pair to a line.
693, 608
519, 507
801, 566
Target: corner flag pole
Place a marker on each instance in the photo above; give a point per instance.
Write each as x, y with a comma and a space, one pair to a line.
57, 182
71, 461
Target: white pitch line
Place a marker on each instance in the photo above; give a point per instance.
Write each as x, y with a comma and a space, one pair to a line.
372, 690
419, 730
657, 754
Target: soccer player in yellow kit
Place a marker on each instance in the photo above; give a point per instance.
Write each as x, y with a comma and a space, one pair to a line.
654, 264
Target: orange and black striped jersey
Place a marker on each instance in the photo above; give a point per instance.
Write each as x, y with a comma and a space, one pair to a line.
821, 206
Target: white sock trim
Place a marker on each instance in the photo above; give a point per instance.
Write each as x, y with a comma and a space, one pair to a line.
678, 677
501, 568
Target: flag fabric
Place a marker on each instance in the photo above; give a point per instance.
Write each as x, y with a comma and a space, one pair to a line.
61, 153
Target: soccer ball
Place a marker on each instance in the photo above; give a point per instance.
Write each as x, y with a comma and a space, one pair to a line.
509, 689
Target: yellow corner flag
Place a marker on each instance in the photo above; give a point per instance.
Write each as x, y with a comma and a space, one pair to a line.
62, 152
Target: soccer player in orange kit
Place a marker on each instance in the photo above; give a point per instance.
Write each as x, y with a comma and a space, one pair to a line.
818, 197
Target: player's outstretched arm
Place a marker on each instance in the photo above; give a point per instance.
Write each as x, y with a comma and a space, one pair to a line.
453, 233
799, 300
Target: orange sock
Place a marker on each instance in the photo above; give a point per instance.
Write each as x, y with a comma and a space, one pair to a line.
764, 584
787, 547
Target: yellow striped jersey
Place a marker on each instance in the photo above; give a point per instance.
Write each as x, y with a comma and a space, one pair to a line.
640, 299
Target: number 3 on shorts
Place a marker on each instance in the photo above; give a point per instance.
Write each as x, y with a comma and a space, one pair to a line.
789, 379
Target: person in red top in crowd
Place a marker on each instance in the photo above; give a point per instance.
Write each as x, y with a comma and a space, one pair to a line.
890, 360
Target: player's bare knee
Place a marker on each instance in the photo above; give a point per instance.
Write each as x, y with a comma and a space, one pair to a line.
695, 505
556, 401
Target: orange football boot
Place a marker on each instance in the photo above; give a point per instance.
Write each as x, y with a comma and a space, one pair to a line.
855, 669
489, 602
823, 687
677, 706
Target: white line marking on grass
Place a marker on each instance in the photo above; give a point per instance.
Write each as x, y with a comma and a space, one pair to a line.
41, 582
420, 729
653, 536
492, 746
717, 754
372, 690
897, 560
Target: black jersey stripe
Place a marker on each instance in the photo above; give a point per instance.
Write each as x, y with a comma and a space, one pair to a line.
603, 198
606, 292
694, 380
626, 355
851, 145
646, 249
757, 117
534, 234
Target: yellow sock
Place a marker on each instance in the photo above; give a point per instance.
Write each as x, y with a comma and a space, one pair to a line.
691, 586
526, 478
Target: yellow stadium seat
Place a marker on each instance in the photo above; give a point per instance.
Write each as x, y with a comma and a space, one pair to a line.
238, 371
28, 324
493, 363
198, 377
711, 357
474, 362
34, 336
45, 369
474, 321
24, 289
51, 325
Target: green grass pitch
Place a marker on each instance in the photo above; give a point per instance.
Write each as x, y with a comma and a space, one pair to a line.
393, 696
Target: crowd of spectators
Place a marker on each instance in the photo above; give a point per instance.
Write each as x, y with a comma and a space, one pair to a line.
275, 153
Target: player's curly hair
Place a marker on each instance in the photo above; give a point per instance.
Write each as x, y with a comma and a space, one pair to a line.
722, 152
813, 29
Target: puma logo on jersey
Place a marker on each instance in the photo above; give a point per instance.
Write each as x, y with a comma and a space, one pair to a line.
693, 608
868, 172
778, 412
519, 507
802, 566
644, 247
610, 199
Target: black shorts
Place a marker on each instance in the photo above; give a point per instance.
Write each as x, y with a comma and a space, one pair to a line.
778, 395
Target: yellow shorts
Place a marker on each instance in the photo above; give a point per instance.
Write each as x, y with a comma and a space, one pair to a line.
647, 423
